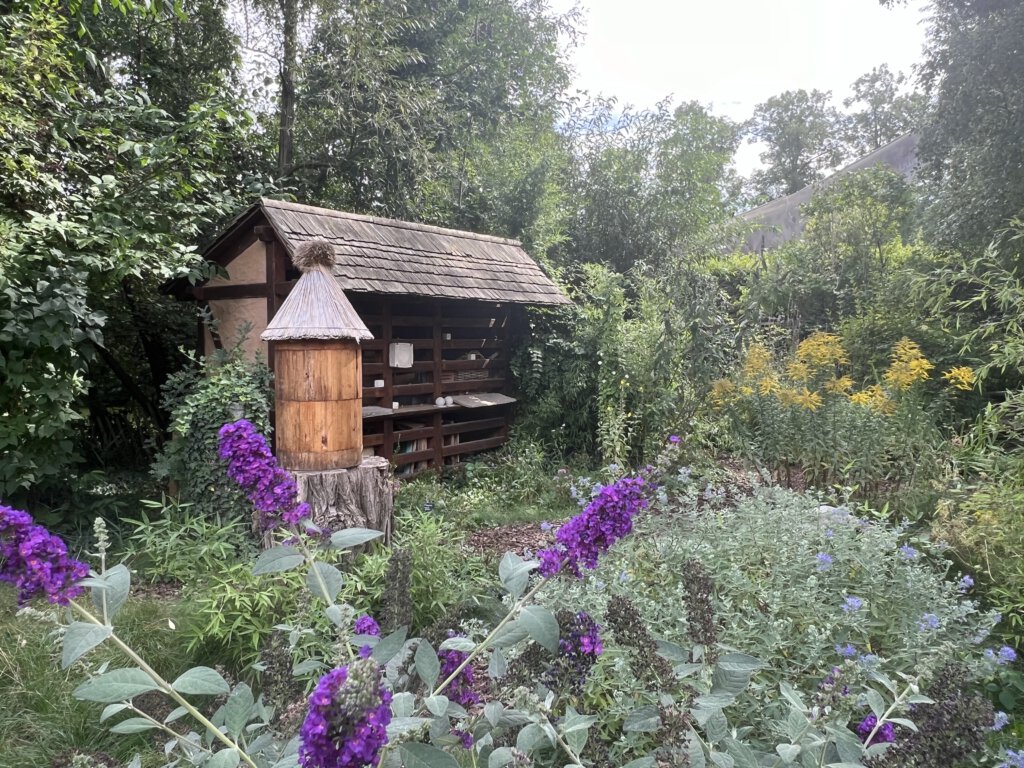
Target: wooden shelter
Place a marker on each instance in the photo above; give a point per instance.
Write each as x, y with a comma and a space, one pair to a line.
440, 304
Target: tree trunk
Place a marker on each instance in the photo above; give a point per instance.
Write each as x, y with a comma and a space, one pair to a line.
286, 118
360, 497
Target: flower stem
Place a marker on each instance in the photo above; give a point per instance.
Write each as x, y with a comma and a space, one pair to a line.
166, 687
484, 643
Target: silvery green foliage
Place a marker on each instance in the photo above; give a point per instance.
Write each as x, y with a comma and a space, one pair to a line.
759, 698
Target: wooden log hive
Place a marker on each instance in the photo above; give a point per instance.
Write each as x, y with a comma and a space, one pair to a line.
318, 371
319, 404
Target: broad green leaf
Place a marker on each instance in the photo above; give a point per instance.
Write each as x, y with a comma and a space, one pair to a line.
673, 652
238, 708
575, 728
226, 758
742, 754
876, 702
717, 727
792, 696
715, 700
641, 762
331, 577
438, 705
402, 725
501, 757
788, 753
201, 681
497, 667
722, 760
514, 573
542, 626
176, 713
307, 666
739, 662
80, 638
493, 711
133, 725
353, 537
642, 720
530, 737
116, 685
512, 633
457, 644
386, 649
112, 709
403, 704
277, 559
113, 586
428, 666
425, 756
333, 613
904, 722
694, 750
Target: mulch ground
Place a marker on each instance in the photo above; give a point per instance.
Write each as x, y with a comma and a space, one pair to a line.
519, 538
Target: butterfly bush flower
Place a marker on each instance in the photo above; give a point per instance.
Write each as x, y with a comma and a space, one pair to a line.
1014, 759
928, 621
852, 604
365, 625
885, 734
578, 650
908, 552
824, 561
846, 651
1001, 721
1005, 655
605, 520
346, 725
965, 583
35, 561
460, 690
270, 488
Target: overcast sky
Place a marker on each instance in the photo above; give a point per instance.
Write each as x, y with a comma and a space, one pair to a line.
734, 54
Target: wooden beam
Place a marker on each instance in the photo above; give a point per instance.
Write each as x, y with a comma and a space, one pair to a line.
221, 292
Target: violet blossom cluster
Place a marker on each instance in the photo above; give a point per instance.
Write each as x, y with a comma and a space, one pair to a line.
885, 734
365, 625
605, 520
35, 561
346, 725
460, 690
270, 488
578, 649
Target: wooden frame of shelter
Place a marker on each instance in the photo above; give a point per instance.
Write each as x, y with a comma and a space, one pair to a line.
441, 305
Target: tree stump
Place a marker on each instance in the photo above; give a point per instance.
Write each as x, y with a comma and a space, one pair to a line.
360, 497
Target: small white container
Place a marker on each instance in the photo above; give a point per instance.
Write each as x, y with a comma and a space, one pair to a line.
439, 402
449, 400
378, 383
394, 406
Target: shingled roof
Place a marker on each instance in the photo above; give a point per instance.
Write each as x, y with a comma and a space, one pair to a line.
374, 255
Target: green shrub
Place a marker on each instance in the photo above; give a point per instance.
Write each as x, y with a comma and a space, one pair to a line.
793, 584
174, 542
215, 390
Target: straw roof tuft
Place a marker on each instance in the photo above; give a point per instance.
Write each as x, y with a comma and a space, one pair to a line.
316, 308
313, 253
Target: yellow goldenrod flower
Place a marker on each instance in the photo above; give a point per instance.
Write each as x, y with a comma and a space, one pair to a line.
798, 370
960, 377
758, 361
768, 385
723, 392
908, 365
809, 400
821, 350
787, 396
839, 386
875, 398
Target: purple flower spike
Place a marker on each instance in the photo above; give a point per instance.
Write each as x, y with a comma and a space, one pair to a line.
365, 625
271, 489
885, 734
346, 725
460, 690
605, 520
35, 561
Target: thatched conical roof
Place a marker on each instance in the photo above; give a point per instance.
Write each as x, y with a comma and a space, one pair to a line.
317, 307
